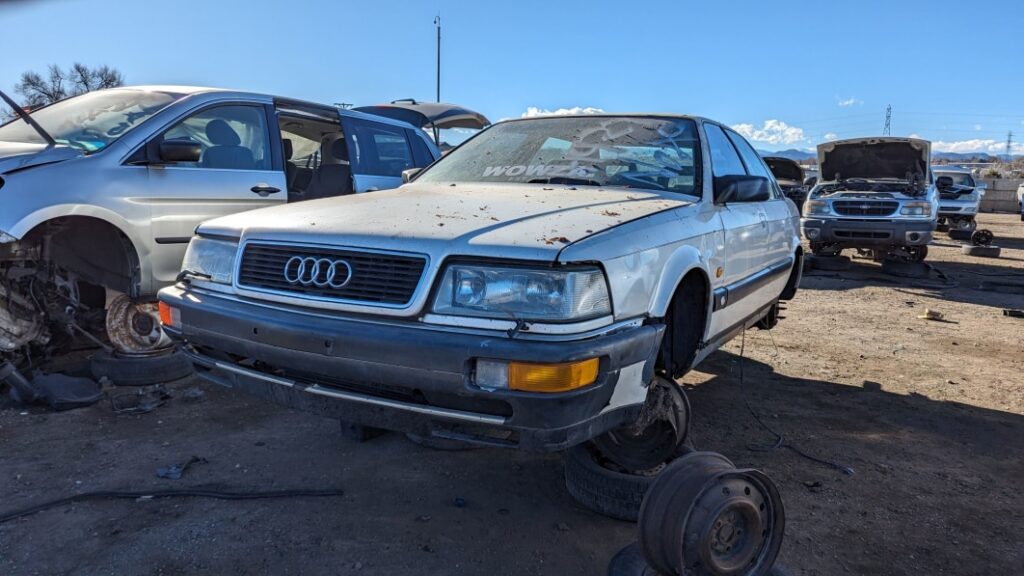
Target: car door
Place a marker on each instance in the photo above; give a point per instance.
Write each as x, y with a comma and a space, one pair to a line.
777, 211
239, 168
378, 152
745, 232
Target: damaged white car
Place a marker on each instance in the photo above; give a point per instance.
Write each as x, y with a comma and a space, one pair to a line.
523, 291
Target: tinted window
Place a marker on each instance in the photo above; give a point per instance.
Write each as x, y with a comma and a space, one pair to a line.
724, 159
420, 151
231, 137
378, 149
752, 160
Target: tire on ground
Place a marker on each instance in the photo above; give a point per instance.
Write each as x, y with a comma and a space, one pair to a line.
771, 319
141, 370
981, 251
609, 493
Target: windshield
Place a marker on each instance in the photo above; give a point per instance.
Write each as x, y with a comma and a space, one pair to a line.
92, 121
626, 152
959, 178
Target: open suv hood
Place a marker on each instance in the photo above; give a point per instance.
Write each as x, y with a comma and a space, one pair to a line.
874, 158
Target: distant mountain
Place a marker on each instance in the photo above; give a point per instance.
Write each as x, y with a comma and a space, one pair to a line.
792, 154
974, 156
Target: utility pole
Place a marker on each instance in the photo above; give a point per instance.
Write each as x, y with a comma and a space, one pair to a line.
1009, 146
888, 121
437, 24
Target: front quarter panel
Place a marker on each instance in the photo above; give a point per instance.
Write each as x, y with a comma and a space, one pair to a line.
646, 259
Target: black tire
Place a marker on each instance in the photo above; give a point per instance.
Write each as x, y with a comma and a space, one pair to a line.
905, 269
659, 442
630, 562
609, 493
771, 319
830, 263
141, 370
958, 234
981, 251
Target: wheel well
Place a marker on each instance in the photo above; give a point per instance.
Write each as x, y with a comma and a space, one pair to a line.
686, 323
793, 284
96, 250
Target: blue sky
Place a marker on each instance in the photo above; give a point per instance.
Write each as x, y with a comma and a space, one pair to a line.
787, 74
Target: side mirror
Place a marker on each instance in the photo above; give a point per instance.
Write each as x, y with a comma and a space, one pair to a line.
810, 181
741, 189
180, 150
408, 175
944, 182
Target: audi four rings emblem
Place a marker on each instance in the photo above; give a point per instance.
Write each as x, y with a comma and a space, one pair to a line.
319, 272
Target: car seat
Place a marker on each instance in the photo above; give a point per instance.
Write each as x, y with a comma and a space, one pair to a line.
227, 151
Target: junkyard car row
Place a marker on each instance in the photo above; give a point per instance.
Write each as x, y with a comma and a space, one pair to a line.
540, 287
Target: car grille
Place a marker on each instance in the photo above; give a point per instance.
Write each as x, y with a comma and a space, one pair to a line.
863, 234
864, 207
375, 278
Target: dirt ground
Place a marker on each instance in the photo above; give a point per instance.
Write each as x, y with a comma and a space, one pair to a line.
930, 416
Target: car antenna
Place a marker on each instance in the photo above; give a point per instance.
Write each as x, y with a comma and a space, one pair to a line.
28, 119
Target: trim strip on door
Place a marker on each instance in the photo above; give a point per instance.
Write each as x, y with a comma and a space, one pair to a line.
740, 289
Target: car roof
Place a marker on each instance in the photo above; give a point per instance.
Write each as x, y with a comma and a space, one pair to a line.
196, 90
955, 169
613, 115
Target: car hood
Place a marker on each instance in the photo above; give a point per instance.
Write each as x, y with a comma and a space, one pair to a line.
874, 158
494, 220
18, 155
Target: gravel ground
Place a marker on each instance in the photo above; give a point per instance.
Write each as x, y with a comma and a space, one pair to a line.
930, 415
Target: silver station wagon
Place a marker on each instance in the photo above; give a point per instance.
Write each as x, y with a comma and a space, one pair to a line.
527, 290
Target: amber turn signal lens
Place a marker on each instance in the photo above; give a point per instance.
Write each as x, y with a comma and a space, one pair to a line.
169, 315
552, 377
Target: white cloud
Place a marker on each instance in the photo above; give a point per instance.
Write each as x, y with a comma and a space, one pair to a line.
534, 111
977, 126
831, 136
846, 102
771, 132
976, 145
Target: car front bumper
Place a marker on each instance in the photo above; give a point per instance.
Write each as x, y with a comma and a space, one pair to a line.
411, 377
867, 233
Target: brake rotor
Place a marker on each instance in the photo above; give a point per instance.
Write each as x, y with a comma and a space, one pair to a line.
134, 328
658, 434
982, 237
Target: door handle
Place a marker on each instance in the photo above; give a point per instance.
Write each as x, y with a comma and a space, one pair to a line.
264, 190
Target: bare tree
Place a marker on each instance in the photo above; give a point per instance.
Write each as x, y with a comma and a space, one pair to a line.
57, 84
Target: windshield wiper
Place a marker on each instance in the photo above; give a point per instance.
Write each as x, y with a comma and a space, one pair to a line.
566, 181
50, 142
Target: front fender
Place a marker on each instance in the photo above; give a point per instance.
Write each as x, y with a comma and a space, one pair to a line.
684, 260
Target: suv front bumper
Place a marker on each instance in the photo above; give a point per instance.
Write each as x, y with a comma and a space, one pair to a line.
867, 233
410, 377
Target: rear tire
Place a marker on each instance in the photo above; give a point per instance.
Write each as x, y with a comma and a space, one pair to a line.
771, 319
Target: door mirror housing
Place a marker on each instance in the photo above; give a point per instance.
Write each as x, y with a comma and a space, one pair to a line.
410, 174
810, 181
741, 189
944, 182
180, 150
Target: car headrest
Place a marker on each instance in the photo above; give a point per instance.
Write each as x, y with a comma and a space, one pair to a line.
287, 148
221, 134
339, 150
